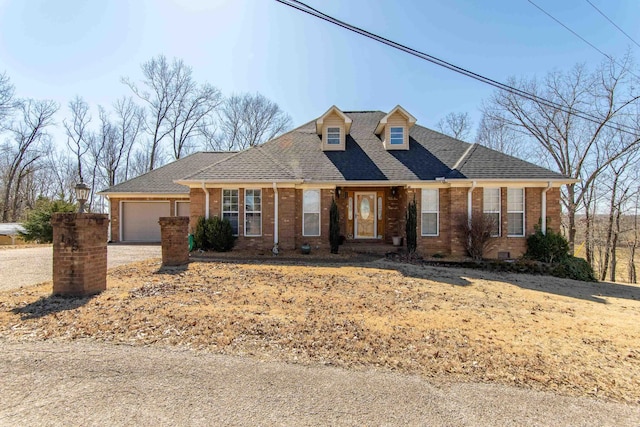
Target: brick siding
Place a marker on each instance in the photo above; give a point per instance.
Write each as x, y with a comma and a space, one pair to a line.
79, 253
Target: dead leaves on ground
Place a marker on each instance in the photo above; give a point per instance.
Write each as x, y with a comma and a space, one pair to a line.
419, 321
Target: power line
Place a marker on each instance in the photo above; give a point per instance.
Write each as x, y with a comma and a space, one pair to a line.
296, 4
609, 57
613, 23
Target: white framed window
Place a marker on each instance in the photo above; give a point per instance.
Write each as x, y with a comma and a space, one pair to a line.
515, 212
333, 136
230, 206
430, 210
491, 208
252, 212
396, 135
311, 213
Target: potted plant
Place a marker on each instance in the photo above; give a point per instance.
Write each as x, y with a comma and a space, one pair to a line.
305, 248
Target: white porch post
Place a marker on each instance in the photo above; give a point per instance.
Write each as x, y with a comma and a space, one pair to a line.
470, 202
275, 215
543, 208
206, 201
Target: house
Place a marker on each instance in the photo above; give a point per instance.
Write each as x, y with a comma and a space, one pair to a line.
10, 233
373, 164
135, 205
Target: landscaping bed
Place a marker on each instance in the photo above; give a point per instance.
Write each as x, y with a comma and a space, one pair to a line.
539, 332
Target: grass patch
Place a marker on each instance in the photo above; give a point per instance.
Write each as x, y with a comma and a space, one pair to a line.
547, 333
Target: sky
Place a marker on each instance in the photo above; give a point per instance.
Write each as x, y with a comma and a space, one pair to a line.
60, 49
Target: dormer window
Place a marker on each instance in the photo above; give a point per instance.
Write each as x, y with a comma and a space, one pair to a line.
333, 136
332, 128
397, 135
393, 129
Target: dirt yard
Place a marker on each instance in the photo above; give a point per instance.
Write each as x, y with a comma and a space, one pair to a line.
536, 332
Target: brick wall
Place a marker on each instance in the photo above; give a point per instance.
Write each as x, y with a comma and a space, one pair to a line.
175, 242
79, 253
453, 209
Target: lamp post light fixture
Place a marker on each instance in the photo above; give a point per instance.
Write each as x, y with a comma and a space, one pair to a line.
82, 195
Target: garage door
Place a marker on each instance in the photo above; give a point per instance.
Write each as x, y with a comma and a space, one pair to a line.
140, 220
183, 208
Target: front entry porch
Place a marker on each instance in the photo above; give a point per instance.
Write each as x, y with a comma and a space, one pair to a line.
371, 214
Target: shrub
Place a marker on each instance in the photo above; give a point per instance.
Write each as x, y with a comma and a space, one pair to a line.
214, 234
411, 226
334, 227
477, 233
549, 247
574, 268
199, 234
38, 224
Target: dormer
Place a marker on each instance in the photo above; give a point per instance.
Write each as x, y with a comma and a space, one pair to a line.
394, 129
333, 128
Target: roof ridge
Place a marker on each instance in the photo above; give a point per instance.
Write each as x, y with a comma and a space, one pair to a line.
275, 161
234, 153
464, 156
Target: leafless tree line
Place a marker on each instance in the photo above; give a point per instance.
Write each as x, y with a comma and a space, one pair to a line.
590, 131
167, 115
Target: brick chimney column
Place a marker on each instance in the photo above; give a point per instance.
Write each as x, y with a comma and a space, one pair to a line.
79, 253
175, 241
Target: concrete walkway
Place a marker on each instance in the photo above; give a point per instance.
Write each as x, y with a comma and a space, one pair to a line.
85, 383
28, 266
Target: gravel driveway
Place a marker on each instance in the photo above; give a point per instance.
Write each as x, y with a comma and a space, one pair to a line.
85, 383
28, 266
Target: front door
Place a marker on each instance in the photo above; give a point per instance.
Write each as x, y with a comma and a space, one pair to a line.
366, 217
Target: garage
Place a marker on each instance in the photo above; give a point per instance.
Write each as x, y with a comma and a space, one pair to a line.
140, 220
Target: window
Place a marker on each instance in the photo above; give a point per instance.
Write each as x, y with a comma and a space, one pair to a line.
333, 136
515, 211
430, 212
397, 136
230, 208
311, 213
492, 208
252, 212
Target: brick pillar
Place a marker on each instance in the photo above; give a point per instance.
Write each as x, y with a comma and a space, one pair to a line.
175, 242
79, 253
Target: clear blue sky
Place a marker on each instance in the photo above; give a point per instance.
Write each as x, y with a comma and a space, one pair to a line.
59, 49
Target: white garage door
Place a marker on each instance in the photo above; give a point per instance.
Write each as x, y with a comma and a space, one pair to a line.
183, 208
140, 220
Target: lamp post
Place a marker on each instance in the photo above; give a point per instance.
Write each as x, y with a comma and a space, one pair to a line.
82, 194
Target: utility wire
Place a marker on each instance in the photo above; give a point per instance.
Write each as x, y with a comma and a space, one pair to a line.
609, 57
296, 4
613, 23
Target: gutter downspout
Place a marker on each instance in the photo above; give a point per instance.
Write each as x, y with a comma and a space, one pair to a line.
470, 201
275, 219
543, 208
206, 201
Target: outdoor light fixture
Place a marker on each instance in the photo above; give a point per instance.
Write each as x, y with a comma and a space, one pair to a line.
338, 191
82, 194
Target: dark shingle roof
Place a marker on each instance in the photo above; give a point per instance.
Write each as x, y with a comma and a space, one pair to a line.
298, 155
160, 180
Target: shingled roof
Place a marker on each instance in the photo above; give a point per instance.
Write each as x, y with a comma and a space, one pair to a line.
161, 180
298, 156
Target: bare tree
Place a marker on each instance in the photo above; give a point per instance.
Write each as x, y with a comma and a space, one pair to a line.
569, 142
189, 117
248, 120
498, 135
457, 125
175, 103
128, 124
29, 143
78, 138
7, 103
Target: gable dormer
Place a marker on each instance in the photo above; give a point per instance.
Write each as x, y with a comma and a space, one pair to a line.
333, 128
393, 129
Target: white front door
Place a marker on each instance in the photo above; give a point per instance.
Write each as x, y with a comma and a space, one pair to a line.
366, 217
